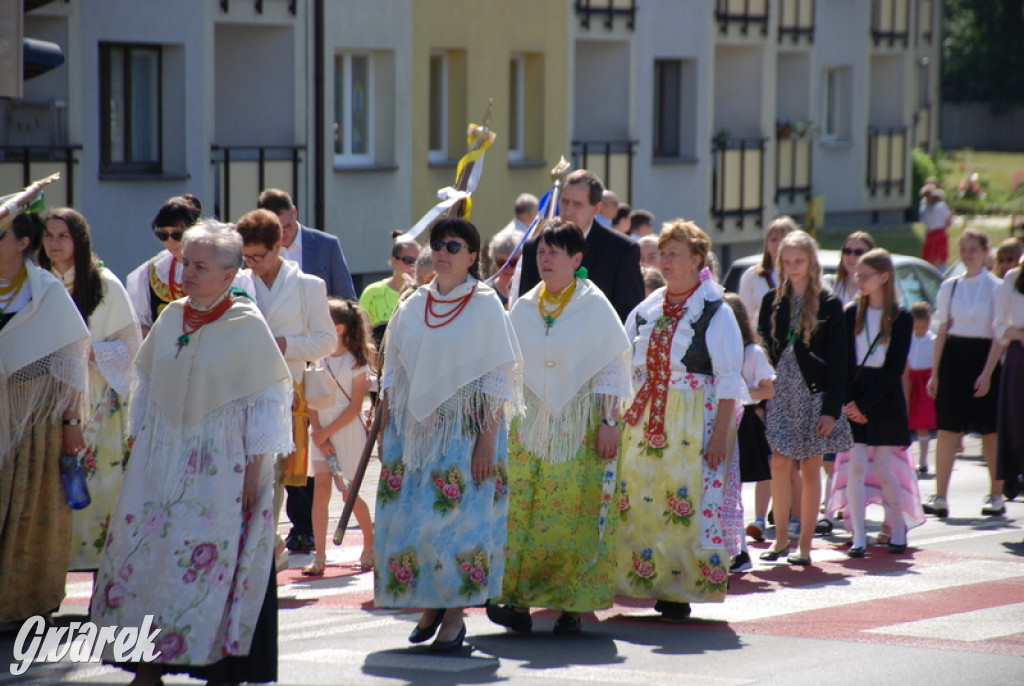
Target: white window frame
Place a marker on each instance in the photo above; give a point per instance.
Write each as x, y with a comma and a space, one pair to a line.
346, 157
438, 153
516, 138
836, 105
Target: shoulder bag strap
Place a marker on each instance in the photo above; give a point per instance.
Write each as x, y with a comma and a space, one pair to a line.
359, 412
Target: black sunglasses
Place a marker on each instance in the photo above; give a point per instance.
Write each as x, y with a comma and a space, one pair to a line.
163, 235
854, 251
406, 260
453, 247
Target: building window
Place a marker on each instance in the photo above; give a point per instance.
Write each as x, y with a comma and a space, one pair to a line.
353, 109
668, 81
837, 104
516, 108
130, 129
438, 137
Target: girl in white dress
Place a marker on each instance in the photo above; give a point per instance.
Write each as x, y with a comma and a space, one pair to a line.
339, 433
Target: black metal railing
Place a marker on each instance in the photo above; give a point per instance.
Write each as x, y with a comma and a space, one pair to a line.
796, 20
744, 13
890, 21
609, 9
36, 161
737, 180
887, 159
793, 167
258, 5
925, 20
243, 160
611, 160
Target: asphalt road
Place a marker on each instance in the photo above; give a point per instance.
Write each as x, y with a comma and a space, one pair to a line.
948, 611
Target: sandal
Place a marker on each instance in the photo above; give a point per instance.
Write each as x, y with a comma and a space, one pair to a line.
884, 535
315, 568
365, 563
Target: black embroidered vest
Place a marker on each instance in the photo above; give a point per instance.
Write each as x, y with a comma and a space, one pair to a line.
697, 358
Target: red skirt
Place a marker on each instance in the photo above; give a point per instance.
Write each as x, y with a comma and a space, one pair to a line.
922, 406
936, 247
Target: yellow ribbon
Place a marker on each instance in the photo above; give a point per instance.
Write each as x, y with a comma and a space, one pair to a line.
485, 138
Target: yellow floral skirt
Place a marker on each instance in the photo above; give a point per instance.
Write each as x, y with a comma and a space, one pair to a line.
661, 539
558, 553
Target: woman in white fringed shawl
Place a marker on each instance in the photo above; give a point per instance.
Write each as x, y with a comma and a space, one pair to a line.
451, 362
191, 538
563, 448
115, 338
43, 399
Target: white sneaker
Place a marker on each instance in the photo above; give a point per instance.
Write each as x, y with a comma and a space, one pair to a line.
936, 505
994, 505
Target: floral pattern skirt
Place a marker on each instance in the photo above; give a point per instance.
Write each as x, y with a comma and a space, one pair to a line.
560, 535
662, 550
35, 524
103, 463
439, 538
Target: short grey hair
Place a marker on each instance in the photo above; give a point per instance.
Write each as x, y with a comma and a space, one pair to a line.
426, 258
526, 202
504, 242
225, 241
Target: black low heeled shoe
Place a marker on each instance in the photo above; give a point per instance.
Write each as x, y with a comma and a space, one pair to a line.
449, 646
420, 634
568, 624
771, 555
506, 616
897, 548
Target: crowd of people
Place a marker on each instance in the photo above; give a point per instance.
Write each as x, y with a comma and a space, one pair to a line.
577, 426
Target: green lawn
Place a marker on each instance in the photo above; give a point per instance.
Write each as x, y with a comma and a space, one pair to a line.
907, 239
999, 171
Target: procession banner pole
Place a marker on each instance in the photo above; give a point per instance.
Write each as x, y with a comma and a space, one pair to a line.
466, 176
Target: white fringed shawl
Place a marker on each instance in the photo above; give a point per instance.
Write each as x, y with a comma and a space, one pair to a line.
43, 360
453, 379
567, 368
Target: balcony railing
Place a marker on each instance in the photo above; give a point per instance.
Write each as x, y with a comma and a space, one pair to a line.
611, 160
742, 13
241, 172
609, 9
887, 159
20, 165
796, 20
737, 180
258, 6
923, 127
792, 167
890, 21
925, 20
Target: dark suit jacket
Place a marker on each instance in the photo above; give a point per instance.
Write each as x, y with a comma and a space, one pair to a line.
322, 256
823, 363
613, 264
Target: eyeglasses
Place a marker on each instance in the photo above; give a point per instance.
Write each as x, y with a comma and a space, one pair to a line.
854, 251
162, 235
406, 260
255, 259
453, 247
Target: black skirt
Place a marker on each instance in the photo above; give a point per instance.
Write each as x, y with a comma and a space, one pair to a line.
754, 448
1011, 411
956, 408
887, 419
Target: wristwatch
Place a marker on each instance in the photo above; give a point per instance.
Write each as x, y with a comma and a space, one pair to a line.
74, 421
610, 422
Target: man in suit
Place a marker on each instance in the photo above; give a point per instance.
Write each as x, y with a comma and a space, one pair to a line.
319, 254
612, 259
316, 252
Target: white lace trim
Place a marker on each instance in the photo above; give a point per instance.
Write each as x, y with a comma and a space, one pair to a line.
114, 357
262, 421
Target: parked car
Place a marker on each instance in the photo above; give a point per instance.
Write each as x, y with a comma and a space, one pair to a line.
916, 280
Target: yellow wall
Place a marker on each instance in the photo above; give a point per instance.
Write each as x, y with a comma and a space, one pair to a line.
482, 36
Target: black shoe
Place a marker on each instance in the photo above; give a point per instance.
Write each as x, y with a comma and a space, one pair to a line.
856, 551
420, 634
449, 646
773, 555
674, 612
741, 563
1012, 487
568, 624
300, 543
824, 526
897, 548
520, 622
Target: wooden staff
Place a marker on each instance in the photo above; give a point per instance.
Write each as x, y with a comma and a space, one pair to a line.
479, 133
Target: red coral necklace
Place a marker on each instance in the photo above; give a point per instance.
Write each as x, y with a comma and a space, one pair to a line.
447, 316
196, 319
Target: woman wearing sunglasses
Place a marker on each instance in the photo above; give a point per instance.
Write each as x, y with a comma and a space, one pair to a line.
157, 281
379, 298
843, 283
450, 366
